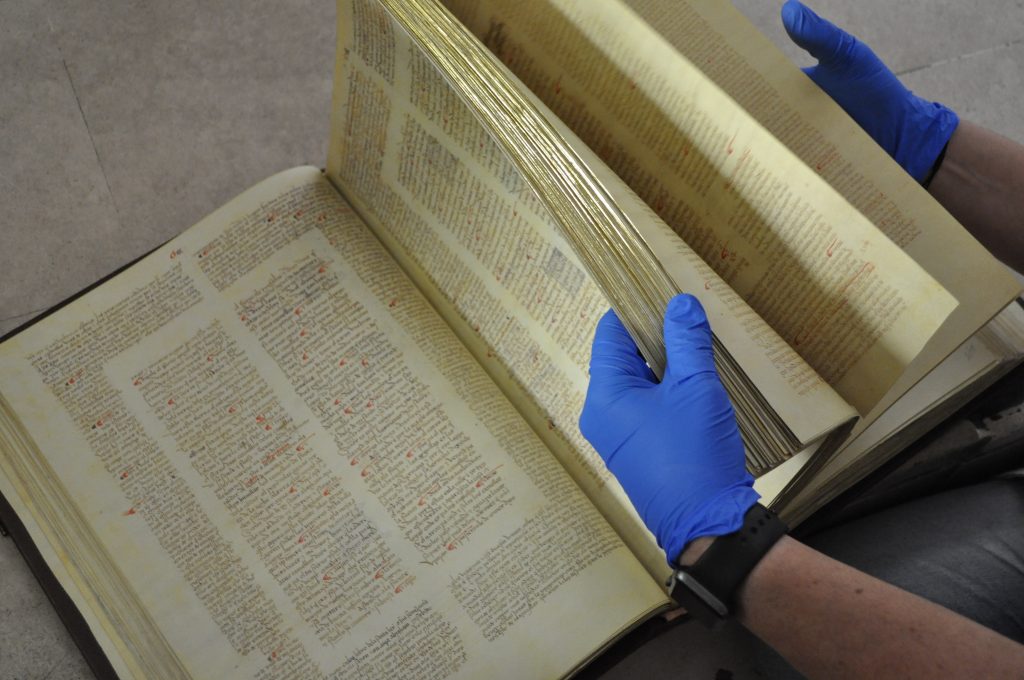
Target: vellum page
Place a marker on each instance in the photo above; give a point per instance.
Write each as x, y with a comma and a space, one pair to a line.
966, 373
848, 301
465, 226
292, 467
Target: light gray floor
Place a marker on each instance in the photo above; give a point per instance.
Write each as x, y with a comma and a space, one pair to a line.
123, 122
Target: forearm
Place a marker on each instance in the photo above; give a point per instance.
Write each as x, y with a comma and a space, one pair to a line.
981, 183
830, 620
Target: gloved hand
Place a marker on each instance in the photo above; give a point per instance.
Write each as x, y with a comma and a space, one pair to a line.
674, 445
913, 131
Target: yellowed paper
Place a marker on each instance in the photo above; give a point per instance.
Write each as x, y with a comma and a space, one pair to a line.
299, 470
835, 289
463, 224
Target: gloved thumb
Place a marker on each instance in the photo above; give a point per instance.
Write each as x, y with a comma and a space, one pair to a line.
687, 339
822, 39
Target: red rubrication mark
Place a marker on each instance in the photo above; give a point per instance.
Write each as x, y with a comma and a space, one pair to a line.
301, 538
364, 362
299, 213
298, 311
268, 427
322, 269
348, 411
260, 418
327, 492
292, 489
303, 333
408, 454
342, 363
170, 402
231, 409
393, 303
129, 512
327, 578
124, 475
353, 461
337, 402
137, 382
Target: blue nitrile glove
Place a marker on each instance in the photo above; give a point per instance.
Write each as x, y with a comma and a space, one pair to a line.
674, 445
913, 131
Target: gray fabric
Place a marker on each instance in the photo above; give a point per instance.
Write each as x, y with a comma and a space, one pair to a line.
963, 549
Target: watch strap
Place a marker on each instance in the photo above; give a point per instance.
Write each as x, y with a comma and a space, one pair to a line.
726, 563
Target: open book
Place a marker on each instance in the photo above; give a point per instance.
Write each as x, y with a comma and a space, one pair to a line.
331, 430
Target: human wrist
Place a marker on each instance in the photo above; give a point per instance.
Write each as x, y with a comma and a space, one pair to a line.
694, 550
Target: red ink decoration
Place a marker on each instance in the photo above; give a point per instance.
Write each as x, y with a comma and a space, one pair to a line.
302, 333
327, 492
291, 489
231, 409
260, 419
137, 382
170, 402
302, 539
337, 402
364, 362
341, 363
298, 311
128, 512
327, 578
267, 427
354, 461
124, 475
393, 302
408, 454
348, 410
322, 269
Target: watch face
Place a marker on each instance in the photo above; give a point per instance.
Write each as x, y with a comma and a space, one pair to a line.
698, 600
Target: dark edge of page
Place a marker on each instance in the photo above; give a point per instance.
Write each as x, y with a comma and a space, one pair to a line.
61, 601
11, 525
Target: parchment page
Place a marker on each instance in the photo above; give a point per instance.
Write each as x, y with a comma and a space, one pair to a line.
463, 224
731, 51
837, 290
297, 469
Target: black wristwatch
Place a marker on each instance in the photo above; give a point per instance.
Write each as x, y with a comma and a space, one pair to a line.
707, 588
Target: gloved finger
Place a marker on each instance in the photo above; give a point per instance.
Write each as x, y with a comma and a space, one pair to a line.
822, 39
687, 339
614, 354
